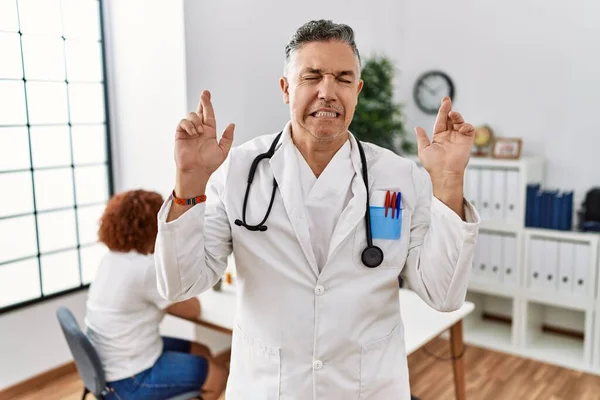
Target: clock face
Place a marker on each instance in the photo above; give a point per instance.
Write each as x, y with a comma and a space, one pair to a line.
429, 90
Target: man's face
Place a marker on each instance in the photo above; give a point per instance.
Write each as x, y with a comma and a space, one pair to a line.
322, 87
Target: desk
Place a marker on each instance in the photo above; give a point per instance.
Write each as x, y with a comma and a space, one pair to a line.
421, 324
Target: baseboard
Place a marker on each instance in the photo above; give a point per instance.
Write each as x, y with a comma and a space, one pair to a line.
45, 377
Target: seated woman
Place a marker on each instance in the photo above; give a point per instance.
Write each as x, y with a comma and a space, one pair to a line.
124, 310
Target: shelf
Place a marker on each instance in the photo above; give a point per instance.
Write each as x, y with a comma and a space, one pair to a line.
492, 288
558, 300
500, 226
488, 334
584, 237
553, 347
494, 162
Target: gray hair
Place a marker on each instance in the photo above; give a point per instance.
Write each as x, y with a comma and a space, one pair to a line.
320, 31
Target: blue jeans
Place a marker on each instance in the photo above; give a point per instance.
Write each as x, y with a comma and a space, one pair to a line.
175, 372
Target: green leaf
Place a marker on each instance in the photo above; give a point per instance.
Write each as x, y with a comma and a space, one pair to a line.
377, 118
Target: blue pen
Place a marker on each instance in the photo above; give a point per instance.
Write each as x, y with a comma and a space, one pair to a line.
398, 200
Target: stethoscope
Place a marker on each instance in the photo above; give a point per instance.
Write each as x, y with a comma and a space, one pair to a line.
372, 256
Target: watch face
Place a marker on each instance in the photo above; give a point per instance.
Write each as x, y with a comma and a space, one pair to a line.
429, 90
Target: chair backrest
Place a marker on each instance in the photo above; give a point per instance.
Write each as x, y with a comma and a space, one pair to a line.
86, 358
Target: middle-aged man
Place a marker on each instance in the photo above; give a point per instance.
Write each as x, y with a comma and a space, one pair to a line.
318, 303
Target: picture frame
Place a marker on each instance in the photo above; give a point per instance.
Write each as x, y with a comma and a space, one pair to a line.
507, 148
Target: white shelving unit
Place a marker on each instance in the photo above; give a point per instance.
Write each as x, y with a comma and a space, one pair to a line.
535, 290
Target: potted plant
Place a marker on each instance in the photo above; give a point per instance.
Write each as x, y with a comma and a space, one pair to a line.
377, 118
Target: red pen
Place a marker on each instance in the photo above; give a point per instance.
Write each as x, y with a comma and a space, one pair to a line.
393, 204
387, 202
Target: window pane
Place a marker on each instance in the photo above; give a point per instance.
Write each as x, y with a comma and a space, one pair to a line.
20, 200
60, 272
84, 61
87, 218
47, 102
57, 230
89, 144
53, 188
91, 184
10, 48
91, 256
40, 16
8, 16
50, 146
17, 236
87, 102
43, 58
14, 148
19, 282
12, 103
81, 18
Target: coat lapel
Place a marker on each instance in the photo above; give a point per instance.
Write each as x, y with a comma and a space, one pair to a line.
355, 211
285, 170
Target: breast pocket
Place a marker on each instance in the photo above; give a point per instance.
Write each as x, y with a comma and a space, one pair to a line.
255, 369
391, 233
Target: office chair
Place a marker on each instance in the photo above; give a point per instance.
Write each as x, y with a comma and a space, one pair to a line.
88, 362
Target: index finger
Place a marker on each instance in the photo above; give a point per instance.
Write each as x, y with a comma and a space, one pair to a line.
441, 121
208, 112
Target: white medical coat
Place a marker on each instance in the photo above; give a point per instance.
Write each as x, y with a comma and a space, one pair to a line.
301, 333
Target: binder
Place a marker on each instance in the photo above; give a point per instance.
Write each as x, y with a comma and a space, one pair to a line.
509, 260
498, 194
496, 258
536, 253
472, 187
550, 265
512, 195
532, 191
580, 285
486, 194
566, 267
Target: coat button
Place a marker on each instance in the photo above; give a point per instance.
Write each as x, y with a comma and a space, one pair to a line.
319, 290
317, 365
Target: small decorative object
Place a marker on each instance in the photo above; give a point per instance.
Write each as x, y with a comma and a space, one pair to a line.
429, 90
483, 138
509, 148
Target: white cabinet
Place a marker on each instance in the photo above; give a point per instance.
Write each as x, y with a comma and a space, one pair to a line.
532, 287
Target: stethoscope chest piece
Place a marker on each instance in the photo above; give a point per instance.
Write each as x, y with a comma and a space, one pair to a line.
372, 256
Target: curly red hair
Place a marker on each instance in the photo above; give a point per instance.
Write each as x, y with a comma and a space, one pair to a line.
129, 221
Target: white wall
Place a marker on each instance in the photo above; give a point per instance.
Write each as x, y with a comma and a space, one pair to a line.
236, 49
526, 67
147, 86
31, 339
529, 68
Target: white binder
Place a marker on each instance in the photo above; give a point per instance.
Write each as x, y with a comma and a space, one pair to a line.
485, 194
582, 260
550, 266
509, 260
536, 252
484, 256
498, 194
512, 196
496, 258
472, 187
566, 260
